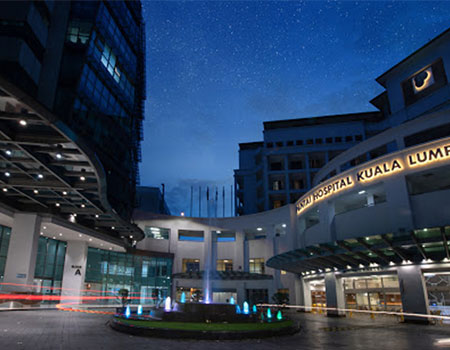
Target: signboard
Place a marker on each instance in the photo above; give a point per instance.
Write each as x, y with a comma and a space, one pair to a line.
398, 164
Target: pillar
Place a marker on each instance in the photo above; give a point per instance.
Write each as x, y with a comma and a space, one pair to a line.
22, 252
334, 293
238, 260
240, 292
370, 200
413, 292
74, 268
305, 290
246, 254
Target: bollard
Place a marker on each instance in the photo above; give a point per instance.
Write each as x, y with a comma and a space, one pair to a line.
350, 314
372, 315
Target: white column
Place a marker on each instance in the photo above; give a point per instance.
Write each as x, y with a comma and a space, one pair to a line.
413, 291
240, 292
334, 293
246, 254
238, 261
306, 294
74, 268
22, 252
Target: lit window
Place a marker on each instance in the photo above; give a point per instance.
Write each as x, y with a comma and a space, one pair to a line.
224, 265
256, 265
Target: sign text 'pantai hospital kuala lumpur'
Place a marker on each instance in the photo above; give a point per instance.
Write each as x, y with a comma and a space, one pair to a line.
414, 159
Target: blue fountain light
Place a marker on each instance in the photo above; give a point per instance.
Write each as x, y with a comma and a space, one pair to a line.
127, 311
232, 301
183, 298
139, 310
238, 309
269, 313
168, 304
246, 310
279, 315
254, 309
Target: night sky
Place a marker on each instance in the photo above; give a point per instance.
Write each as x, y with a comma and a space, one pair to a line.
217, 69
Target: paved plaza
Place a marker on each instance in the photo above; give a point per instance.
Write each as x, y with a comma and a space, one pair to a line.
72, 330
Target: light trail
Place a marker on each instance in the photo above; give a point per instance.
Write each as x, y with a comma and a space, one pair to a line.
390, 313
60, 288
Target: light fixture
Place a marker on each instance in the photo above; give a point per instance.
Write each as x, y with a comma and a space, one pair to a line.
259, 229
283, 225
5, 189
74, 215
96, 215
219, 232
23, 122
182, 213
7, 174
131, 236
80, 235
83, 205
40, 176
90, 239
8, 152
58, 156
82, 178
60, 234
35, 191
101, 244
362, 192
113, 228
45, 227
64, 193
110, 248
54, 237
42, 233
57, 204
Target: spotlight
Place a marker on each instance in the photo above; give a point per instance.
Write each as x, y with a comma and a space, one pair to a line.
64, 193
131, 236
40, 176
96, 215
35, 191
5, 190
59, 156
8, 152
259, 229
113, 228
23, 122
57, 204
90, 239
82, 205
82, 178
7, 174
284, 225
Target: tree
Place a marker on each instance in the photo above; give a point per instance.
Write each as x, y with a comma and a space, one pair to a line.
280, 298
123, 294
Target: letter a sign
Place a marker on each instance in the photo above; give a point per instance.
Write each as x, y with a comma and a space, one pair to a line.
78, 272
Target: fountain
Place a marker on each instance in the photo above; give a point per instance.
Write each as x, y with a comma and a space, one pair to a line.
246, 310
195, 319
167, 305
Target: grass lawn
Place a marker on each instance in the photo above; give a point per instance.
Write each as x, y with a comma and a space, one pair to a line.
197, 326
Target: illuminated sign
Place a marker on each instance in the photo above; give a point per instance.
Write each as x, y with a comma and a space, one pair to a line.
406, 161
422, 80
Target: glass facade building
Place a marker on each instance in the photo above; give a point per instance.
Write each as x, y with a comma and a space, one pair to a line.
5, 233
147, 278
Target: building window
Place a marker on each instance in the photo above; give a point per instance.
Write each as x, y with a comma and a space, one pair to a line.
224, 265
191, 265
279, 144
283, 272
257, 296
5, 234
338, 139
299, 142
358, 138
329, 140
256, 265
190, 235
78, 32
290, 143
348, 138
309, 141
156, 232
225, 236
318, 141
269, 145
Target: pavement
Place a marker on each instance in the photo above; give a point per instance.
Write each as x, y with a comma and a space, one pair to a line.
43, 329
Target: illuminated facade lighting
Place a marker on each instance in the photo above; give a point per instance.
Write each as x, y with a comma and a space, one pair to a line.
23, 122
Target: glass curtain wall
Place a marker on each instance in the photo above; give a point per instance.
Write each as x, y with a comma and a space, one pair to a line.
372, 293
49, 268
148, 279
5, 234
